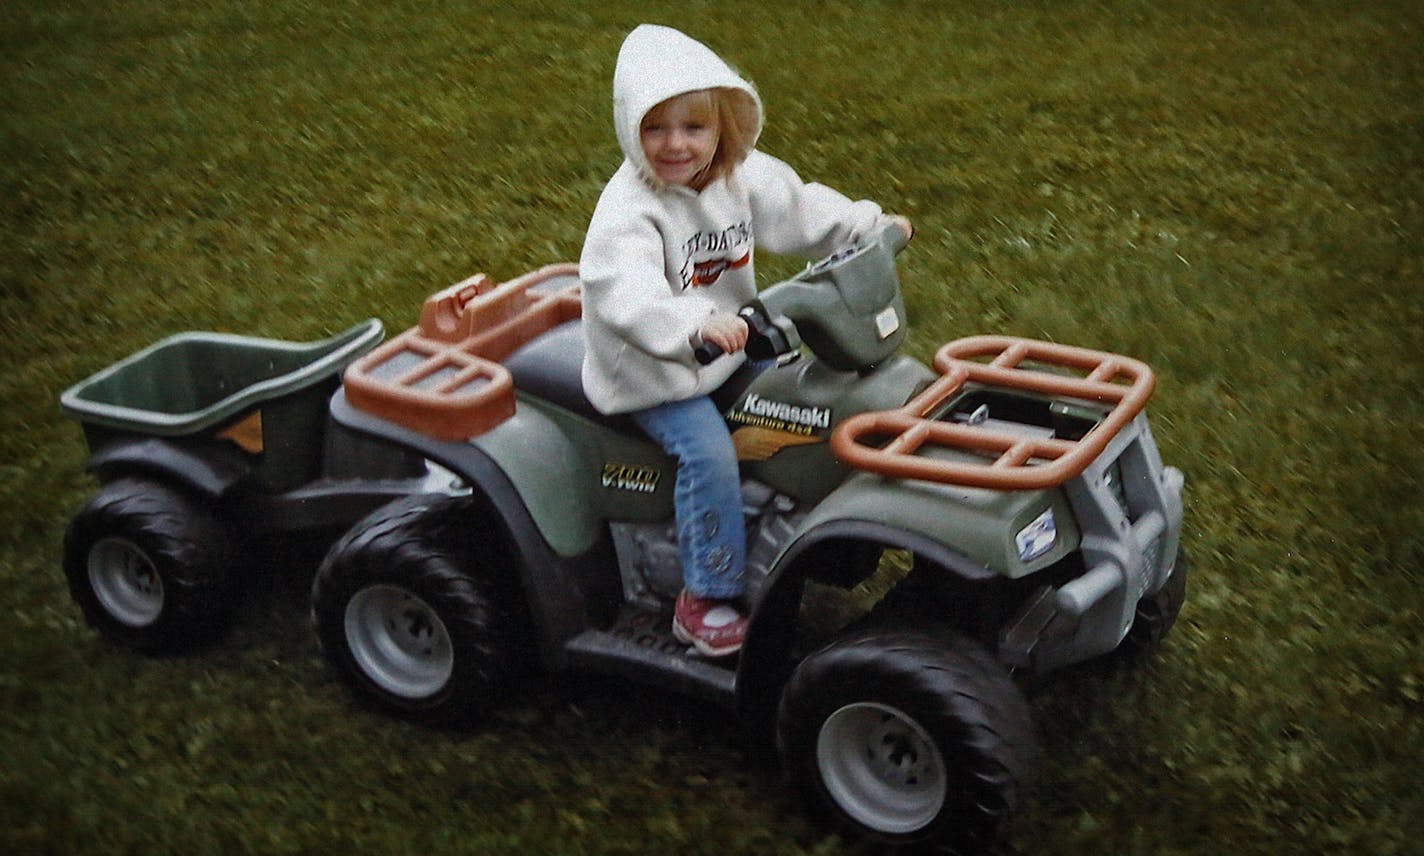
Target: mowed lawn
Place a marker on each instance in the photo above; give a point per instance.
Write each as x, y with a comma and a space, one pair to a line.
1229, 191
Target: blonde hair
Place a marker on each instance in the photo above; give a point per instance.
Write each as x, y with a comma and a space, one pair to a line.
735, 113
736, 130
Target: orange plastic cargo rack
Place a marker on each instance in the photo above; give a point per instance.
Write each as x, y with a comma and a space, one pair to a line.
443, 377
886, 441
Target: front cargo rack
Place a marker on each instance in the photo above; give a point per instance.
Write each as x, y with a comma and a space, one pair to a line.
889, 442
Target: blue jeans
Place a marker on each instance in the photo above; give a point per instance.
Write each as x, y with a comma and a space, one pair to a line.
707, 496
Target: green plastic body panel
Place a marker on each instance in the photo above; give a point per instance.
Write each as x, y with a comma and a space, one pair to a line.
574, 475
810, 472
978, 524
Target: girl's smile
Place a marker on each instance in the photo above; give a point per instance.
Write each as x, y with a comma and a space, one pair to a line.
679, 138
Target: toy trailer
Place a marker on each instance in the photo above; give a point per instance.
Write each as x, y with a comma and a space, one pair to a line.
202, 442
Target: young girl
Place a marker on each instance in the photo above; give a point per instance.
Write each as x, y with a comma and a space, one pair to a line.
665, 266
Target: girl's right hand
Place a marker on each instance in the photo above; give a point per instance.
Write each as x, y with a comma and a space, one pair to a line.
726, 331
904, 223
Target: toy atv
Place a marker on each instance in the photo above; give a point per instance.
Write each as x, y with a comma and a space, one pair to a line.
1019, 478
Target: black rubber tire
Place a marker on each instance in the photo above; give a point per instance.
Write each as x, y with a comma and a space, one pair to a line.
150, 567
1157, 612
426, 548
956, 695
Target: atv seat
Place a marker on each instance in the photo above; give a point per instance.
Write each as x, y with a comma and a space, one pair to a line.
551, 367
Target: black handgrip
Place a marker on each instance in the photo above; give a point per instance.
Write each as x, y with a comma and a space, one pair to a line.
764, 340
707, 352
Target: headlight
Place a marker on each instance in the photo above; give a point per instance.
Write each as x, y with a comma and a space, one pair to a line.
1037, 538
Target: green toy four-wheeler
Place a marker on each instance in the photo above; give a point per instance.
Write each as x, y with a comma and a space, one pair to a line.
495, 521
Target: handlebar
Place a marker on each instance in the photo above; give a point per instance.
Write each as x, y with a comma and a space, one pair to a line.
767, 339
706, 352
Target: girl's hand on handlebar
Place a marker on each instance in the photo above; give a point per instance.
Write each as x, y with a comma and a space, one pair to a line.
903, 222
726, 331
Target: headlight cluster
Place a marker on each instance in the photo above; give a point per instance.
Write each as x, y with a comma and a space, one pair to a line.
1038, 537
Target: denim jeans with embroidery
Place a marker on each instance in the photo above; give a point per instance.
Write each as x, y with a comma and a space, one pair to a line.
707, 495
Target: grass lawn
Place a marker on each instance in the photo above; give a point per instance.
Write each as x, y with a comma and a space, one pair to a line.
1229, 191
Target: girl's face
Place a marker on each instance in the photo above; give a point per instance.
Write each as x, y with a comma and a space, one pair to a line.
679, 138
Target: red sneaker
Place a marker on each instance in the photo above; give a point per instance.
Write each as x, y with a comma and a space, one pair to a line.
714, 627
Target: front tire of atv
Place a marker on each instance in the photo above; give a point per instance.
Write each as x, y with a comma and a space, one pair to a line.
1157, 612
405, 612
907, 739
150, 567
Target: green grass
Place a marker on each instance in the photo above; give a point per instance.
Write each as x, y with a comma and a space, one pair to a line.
1229, 191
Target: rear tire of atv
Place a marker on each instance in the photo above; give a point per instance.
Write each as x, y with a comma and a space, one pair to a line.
1157, 613
908, 739
404, 610
150, 567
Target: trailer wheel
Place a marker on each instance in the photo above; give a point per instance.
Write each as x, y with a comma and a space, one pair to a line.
406, 612
907, 739
150, 566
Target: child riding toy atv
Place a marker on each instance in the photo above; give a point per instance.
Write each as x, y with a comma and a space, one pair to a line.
1016, 482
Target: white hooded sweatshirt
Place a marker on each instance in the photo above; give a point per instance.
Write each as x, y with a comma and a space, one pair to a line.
660, 259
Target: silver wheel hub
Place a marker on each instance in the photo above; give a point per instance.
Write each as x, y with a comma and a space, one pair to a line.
125, 582
399, 641
881, 768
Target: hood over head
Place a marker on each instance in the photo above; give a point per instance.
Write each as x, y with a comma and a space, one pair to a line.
656, 63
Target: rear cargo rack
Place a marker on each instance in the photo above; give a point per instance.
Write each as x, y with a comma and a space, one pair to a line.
443, 377
889, 442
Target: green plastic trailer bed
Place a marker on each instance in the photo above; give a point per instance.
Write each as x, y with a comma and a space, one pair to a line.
266, 396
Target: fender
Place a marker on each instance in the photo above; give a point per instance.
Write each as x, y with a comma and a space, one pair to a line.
922, 518
210, 468
527, 461
575, 475
552, 473
819, 553
559, 576
872, 532
982, 524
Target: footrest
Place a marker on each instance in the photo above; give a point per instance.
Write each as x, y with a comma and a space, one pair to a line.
641, 647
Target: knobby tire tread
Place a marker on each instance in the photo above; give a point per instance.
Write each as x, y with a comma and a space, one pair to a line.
423, 544
955, 689
189, 547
